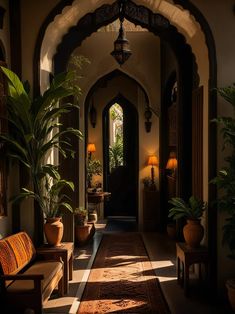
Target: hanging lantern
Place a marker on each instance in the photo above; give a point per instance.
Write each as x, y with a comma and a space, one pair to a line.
121, 50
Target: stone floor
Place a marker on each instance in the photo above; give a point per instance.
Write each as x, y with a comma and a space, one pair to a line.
161, 251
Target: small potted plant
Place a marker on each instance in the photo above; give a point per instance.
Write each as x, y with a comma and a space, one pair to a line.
83, 230
80, 216
192, 211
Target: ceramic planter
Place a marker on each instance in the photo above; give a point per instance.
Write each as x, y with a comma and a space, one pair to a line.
193, 232
54, 229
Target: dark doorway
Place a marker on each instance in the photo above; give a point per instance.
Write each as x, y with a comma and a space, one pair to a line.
121, 172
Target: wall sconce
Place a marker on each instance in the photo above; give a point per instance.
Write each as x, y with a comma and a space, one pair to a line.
93, 115
152, 161
148, 116
91, 149
172, 163
121, 50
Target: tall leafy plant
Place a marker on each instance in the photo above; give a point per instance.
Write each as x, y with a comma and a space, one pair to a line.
225, 179
35, 130
116, 154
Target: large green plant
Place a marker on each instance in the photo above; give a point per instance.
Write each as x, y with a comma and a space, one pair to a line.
225, 179
35, 130
193, 209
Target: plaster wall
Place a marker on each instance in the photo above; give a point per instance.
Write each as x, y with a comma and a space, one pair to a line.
33, 14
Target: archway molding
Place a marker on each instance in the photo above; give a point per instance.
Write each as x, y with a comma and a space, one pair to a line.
185, 17
187, 20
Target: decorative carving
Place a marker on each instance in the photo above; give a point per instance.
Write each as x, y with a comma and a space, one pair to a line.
139, 14
106, 12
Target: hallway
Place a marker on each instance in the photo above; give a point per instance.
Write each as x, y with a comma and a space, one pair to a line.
161, 251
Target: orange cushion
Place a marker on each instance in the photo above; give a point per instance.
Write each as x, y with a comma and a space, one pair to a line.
16, 251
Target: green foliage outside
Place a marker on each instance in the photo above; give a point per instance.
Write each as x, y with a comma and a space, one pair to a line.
116, 149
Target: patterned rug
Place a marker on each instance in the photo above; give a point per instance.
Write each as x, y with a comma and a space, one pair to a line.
122, 279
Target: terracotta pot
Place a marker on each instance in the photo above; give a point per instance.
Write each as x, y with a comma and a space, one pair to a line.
82, 233
230, 284
54, 229
193, 232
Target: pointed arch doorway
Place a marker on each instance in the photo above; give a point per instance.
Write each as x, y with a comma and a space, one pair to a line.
121, 175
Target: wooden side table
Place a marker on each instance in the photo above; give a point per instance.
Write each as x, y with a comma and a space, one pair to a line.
65, 251
188, 256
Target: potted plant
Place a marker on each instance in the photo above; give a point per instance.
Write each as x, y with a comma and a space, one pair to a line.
83, 230
35, 130
54, 205
192, 211
225, 182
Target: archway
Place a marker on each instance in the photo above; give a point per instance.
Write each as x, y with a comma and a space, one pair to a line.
147, 18
99, 97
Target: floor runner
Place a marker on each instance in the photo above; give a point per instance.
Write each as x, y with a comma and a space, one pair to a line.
122, 279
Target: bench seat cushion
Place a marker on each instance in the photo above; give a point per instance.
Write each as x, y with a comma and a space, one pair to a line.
16, 251
52, 271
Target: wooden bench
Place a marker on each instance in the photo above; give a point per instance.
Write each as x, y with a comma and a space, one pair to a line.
26, 282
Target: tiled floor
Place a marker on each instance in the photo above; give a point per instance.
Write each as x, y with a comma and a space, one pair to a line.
161, 251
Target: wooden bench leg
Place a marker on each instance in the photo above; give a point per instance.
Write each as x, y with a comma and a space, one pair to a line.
71, 267
61, 287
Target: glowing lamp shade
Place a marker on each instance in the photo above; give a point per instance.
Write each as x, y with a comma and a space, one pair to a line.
172, 161
91, 148
152, 161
